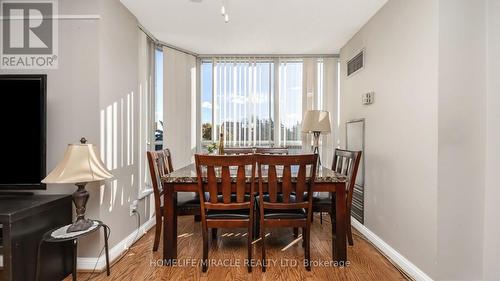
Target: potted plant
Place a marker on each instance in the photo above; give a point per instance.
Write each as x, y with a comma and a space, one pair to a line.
212, 148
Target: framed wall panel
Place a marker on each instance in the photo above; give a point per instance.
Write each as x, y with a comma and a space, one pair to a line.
355, 140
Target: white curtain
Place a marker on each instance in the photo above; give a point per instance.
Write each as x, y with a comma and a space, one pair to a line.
320, 91
242, 98
179, 104
146, 92
261, 101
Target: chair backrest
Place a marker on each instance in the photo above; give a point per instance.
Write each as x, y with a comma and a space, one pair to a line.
346, 163
272, 150
160, 164
292, 176
238, 150
216, 177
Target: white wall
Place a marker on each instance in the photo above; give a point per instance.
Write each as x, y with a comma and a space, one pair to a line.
119, 105
461, 164
432, 135
72, 90
98, 62
401, 145
492, 187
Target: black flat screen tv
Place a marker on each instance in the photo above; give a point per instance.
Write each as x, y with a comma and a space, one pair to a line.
23, 103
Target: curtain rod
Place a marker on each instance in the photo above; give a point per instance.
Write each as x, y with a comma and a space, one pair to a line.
268, 56
163, 44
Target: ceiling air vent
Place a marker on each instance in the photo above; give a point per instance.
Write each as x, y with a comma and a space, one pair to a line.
356, 63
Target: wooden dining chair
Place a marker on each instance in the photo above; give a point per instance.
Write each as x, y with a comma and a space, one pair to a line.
228, 203
160, 164
346, 163
254, 150
288, 208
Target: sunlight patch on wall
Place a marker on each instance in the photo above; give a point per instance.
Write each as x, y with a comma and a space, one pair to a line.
109, 137
112, 199
101, 194
117, 149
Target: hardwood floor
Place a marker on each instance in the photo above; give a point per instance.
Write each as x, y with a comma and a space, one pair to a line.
366, 263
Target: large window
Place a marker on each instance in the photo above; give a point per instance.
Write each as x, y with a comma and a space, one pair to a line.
237, 101
158, 99
243, 98
206, 101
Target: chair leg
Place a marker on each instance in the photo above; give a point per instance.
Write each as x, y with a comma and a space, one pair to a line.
349, 232
263, 240
295, 232
214, 233
205, 251
256, 230
303, 237
307, 253
320, 217
256, 224
159, 223
249, 245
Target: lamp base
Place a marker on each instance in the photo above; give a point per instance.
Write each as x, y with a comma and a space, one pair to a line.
80, 225
315, 147
80, 198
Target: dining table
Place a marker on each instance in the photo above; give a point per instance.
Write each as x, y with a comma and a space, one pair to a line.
186, 180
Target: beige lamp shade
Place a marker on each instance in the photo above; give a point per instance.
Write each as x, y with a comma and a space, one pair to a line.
316, 121
80, 164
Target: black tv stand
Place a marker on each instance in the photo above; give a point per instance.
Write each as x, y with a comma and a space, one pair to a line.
23, 221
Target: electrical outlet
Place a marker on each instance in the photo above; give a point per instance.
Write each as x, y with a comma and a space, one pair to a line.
133, 207
368, 98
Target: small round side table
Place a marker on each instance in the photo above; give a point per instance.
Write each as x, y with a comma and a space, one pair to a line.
49, 238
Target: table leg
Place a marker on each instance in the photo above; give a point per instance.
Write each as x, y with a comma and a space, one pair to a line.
340, 247
106, 249
75, 254
169, 225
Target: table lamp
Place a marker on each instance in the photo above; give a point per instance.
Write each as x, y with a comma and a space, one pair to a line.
80, 165
316, 122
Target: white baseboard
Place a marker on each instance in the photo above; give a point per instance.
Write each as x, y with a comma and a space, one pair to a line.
407, 266
87, 264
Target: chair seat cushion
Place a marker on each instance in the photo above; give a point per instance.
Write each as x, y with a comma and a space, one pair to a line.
228, 214
188, 200
188, 203
285, 214
321, 199
279, 198
220, 198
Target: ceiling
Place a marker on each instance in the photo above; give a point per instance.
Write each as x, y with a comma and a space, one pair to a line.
255, 26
